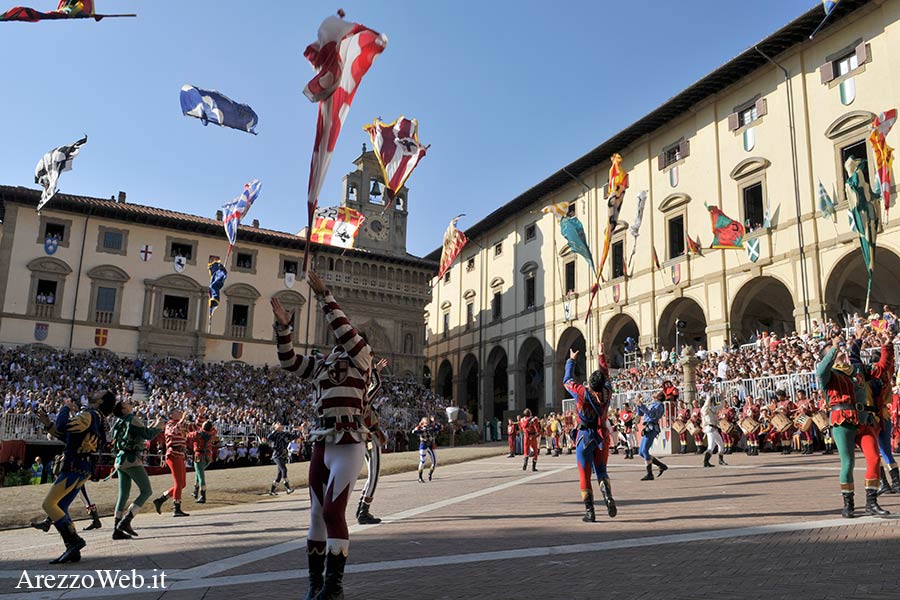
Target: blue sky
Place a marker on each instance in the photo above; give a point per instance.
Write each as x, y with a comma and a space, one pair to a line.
506, 92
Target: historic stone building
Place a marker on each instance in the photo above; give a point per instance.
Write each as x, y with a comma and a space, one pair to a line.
95, 273
754, 138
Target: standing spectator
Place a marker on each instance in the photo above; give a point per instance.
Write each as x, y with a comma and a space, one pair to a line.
37, 471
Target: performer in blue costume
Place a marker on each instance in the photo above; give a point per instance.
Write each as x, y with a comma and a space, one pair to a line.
592, 442
651, 414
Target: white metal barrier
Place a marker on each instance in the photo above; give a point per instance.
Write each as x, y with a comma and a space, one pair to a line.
21, 426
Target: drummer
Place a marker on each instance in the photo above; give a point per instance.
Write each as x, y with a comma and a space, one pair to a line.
805, 409
784, 406
684, 415
751, 411
825, 428
765, 429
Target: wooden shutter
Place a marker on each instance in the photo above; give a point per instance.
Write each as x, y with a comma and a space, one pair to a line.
733, 122
827, 72
863, 54
661, 161
684, 148
761, 107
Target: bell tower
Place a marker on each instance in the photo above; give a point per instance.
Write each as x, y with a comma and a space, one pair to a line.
384, 230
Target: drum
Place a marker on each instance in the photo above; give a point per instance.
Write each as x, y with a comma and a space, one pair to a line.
821, 420
678, 426
780, 422
748, 425
693, 428
803, 422
725, 425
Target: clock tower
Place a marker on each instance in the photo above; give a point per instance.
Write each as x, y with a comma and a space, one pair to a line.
384, 230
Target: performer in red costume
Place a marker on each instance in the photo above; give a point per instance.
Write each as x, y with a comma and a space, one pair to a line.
684, 415
531, 426
176, 445
512, 430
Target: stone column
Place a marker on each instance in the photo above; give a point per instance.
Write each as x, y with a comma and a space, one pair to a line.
689, 363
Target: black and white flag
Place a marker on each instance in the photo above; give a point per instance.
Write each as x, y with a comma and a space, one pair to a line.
48, 169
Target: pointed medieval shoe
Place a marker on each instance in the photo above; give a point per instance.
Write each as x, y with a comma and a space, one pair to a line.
316, 574
43, 525
334, 578
73, 543
125, 525
118, 533
177, 512
158, 503
287, 488
510, 455
847, 513
872, 507
95, 518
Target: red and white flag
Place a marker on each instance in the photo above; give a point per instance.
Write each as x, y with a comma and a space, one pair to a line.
884, 154
454, 240
341, 56
336, 226
398, 150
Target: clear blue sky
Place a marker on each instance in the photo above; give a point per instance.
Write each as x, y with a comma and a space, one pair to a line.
506, 92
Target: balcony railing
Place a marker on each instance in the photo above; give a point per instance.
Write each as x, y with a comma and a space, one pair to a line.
238, 331
103, 317
44, 311
174, 324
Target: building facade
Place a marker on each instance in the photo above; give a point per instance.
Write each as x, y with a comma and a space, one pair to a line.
88, 273
754, 138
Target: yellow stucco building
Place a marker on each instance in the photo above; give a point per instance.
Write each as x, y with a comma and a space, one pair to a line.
754, 138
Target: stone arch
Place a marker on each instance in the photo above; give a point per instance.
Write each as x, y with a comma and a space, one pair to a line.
468, 386
108, 273
617, 330
530, 376
47, 264
571, 338
444, 382
179, 282
761, 304
845, 290
694, 332
496, 384
243, 290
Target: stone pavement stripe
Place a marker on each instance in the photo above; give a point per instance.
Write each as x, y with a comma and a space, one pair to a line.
458, 559
239, 560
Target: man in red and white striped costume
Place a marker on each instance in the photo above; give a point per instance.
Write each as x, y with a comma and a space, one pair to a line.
176, 445
339, 436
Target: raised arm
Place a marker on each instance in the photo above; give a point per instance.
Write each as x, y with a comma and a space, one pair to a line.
346, 334
304, 366
575, 389
823, 369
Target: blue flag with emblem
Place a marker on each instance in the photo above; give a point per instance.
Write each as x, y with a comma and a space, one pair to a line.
211, 106
572, 229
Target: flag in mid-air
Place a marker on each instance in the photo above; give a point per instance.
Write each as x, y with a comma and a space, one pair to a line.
728, 234
618, 183
217, 276
863, 217
67, 9
214, 107
341, 56
336, 226
635, 228
48, 169
829, 5
398, 151
693, 246
656, 259
884, 154
238, 208
826, 204
557, 209
454, 240
572, 229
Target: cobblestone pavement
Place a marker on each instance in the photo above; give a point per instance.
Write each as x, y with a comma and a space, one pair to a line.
485, 529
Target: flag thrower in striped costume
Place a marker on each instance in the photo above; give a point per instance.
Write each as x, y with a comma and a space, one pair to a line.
336, 226
454, 240
341, 56
398, 151
884, 154
618, 183
51, 165
237, 209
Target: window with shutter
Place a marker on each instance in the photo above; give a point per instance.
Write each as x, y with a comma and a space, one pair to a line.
733, 122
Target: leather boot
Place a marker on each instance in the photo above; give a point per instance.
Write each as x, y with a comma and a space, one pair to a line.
895, 480
684, 450
202, 498
43, 525
872, 507
287, 488
524, 467
158, 503
885, 486
125, 525
196, 492
722, 461
533, 467
95, 518
829, 449
316, 574
118, 532
847, 513
334, 578
177, 512
421, 480
589, 516
606, 490
662, 466
649, 475
364, 517
706, 457
272, 491
73, 543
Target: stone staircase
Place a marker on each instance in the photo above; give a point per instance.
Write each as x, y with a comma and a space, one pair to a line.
140, 391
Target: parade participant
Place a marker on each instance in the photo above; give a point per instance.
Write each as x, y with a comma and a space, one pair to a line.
531, 427
373, 449
89, 507
713, 437
697, 420
339, 435
651, 414
804, 408
786, 407
555, 433
615, 425
592, 446
850, 427
569, 431
176, 445
684, 415
204, 444
881, 374
827, 438
427, 430
765, 427
626, 418
512, 430
280, 439
130, 436
751, 411
83, 434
